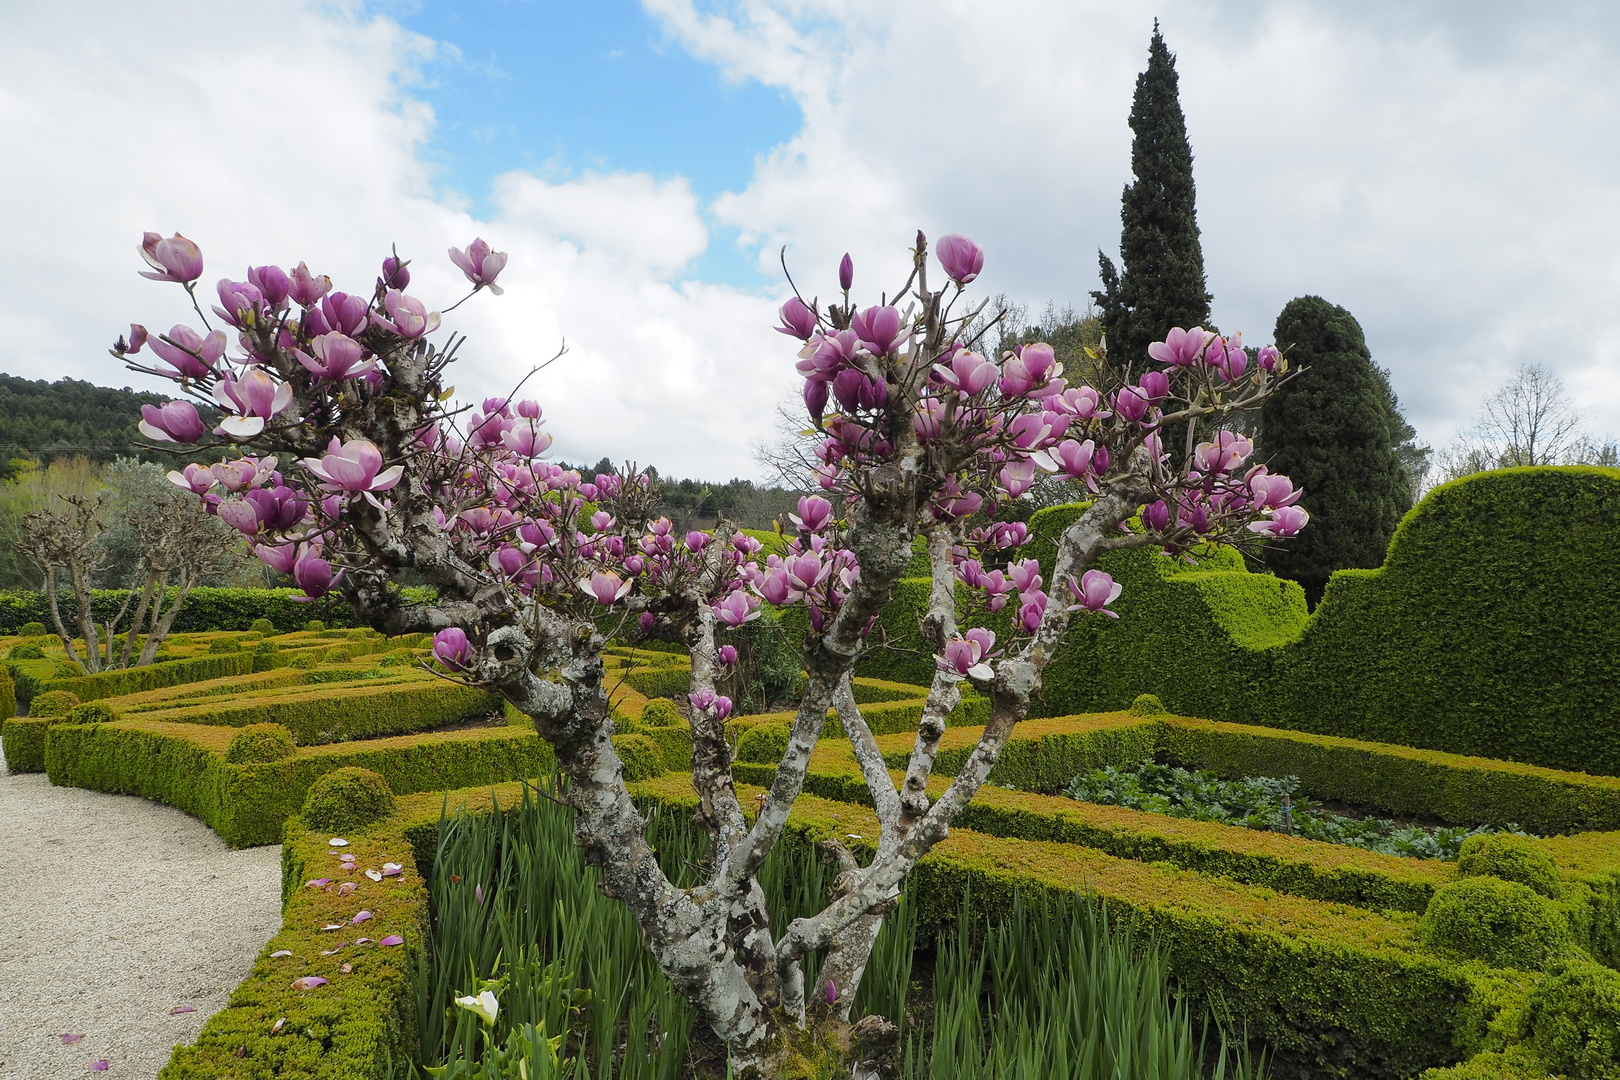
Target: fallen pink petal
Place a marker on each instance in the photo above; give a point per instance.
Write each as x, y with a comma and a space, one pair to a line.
391, 868
98, 1066
308, 982
69, 1040
318, 883
178, 1009
362, 941
392, 939
363, 916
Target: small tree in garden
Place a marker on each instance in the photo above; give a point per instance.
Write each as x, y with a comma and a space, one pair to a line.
345, 466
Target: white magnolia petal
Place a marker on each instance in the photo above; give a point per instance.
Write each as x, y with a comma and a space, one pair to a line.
242, 427
156, 434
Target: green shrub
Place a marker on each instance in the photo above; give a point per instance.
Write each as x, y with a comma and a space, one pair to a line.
670, 682
32, 629
305, 660
263, 626
220, 646
1511, 858
1573, 1019
347, 798
1147, 705
315, 626
661, 712
260, 743
53, 703
640, 755
764, 744
91, 712
8, 696
1515, 1063
68, 669
25, 652
1502, 923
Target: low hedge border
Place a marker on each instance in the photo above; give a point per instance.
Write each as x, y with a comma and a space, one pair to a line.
184, 766
362, 1023
134, 680
1334, 990
23, 739
337, 712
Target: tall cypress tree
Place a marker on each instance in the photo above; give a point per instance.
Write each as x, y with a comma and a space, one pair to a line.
1163, 280
1333, 431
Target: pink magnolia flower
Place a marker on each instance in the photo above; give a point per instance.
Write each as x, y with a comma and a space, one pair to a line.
1074, 458
395, 275
1180, 348
604, 586
355, 465
879, 329
190, 354
307, 289
814, 513
407, 316
1224, 455
728, 655
969, 373
241, 299
337, 356
1155, 385
1284, 521
257, 396
1131, 402
345, 313
175, 259
1017, 477
137, 338
174, 421
452, 649
313, 574
1156, 516
1031, 611
272, 282
1025, 574
797, 319
846, 272
806, 571
775, 588
697, 540
961, 257
280, 558
1039, 360
1271, 491
736, 608
1095, 591
1269, 358
196, 478
480, 264
966, 655
240, 515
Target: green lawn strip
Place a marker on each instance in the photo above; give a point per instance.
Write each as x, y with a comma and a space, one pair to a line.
183, 765
1336, 990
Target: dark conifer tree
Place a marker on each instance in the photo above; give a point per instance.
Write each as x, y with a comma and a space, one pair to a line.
1332, 430
1162, 283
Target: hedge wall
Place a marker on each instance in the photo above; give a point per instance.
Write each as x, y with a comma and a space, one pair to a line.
183, 765
205, 609
135, 680
1489, 631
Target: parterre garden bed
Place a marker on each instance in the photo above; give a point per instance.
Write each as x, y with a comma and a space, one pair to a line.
1343, 962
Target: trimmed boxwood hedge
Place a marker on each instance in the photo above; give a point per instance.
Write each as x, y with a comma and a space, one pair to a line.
362, 1024
335, 712
184, 766
1489, 630
134, 680
205, 609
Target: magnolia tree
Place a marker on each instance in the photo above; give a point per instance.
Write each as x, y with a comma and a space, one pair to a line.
345, 465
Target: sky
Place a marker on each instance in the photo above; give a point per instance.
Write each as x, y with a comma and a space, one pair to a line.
1447, 172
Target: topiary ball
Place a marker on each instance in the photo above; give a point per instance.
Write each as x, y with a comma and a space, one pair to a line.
304, 660
641, 757
263, 626
1511, 858
25, 652
661, 712
260, 743
764, 744
314, 626
53, 703
1502, 923
1147, 705
91, 712
32, 629
1574, 1022
349, 798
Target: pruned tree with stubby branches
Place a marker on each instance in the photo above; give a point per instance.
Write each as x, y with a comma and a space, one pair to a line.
346, 465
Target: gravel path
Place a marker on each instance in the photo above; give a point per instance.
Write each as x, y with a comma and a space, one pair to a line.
113, 911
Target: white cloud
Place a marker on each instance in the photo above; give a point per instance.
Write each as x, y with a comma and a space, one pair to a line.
1445, 174
284, 134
